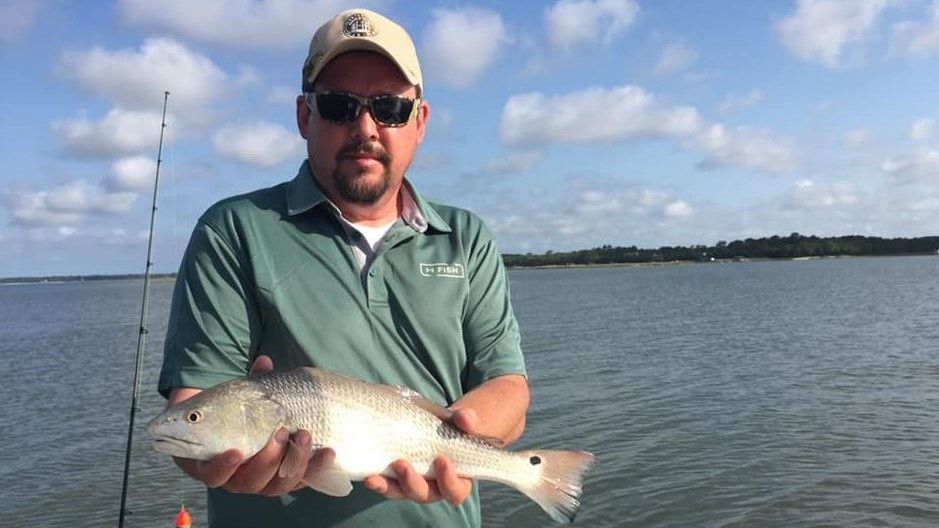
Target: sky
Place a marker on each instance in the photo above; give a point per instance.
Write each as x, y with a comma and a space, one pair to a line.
566, 124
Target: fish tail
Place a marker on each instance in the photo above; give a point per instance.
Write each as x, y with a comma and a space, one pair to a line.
559, 484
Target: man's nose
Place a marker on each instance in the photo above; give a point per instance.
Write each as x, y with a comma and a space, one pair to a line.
364, 126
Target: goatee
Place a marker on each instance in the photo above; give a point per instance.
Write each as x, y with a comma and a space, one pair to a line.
356, 189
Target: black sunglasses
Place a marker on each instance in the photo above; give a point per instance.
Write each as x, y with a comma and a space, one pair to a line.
337, 107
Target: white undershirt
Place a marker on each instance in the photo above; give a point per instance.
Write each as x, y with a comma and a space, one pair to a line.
373, 234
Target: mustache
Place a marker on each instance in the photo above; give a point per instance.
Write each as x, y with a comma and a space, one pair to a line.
373, 150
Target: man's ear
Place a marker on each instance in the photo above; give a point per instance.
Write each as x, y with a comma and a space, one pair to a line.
303, 117
422, 118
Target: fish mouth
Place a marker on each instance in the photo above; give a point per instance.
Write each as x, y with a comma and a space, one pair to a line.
175, 446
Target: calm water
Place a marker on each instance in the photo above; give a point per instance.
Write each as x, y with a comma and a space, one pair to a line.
764, 394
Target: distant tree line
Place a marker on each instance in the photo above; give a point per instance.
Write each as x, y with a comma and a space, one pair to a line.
792, 246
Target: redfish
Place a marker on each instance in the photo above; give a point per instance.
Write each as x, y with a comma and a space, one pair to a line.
368, 426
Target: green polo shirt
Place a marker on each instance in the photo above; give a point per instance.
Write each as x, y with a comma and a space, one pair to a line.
273, 272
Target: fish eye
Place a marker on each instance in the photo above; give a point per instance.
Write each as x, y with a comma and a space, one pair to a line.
535, 460
194, 416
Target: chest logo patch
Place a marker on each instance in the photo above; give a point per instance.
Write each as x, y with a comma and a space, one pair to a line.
442, 269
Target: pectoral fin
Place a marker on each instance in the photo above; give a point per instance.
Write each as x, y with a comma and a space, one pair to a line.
328, 478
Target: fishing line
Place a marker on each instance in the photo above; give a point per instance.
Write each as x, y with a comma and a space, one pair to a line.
174, 249
174, 195
142, 334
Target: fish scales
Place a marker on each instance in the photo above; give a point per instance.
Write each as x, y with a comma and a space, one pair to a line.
391, 425
368, 426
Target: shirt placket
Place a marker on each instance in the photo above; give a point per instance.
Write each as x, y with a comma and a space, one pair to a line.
374, 276
372, 264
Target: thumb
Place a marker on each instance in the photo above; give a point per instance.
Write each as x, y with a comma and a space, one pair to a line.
465, 420
262, 365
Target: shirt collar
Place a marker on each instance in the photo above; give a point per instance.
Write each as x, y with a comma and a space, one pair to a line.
304, 194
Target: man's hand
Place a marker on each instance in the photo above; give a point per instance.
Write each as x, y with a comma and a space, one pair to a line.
266, 473
447, 484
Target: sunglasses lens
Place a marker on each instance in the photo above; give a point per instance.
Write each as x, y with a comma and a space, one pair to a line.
388, 110
336, 107
392, 110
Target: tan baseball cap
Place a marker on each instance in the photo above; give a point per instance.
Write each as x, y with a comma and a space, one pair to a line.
362, 30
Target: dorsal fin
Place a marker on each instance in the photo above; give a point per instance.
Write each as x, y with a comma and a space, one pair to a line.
443, 413
493, 441
413, 397
416, 399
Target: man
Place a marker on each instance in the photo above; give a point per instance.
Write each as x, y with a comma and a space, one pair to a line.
347, 268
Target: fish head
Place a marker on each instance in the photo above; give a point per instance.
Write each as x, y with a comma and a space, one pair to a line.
237, 414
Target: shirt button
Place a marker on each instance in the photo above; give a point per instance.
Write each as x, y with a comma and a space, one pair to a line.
371, 273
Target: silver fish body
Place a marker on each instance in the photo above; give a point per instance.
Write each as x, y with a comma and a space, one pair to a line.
368, 426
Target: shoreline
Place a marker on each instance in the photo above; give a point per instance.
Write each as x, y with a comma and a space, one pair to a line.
171, 277
714, 261
20, 281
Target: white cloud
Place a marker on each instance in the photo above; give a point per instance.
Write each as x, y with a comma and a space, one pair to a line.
134, 173
282, 95
855, 138
923, 129
907, 168
821, 30
594, 115
598, 202
17, 17
243, 24
589, 215
658, 203
88, 237
574, 22
31, 211
651, 198
675, 57
64, 205
119, 132
516, 162
630, 112
260, 144
918, 38
736, 103
628, 201
459, 44
66, 231
137, 79
247, 76
806, 194
82, 198
118, 236
678, 209
537, 225
745, 147
928, 204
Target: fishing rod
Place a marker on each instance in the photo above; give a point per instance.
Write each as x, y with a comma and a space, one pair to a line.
142, 335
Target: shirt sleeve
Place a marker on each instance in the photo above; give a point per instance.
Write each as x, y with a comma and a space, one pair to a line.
490, 331
215, 325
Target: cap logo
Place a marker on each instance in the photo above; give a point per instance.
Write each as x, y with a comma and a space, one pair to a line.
358, 25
